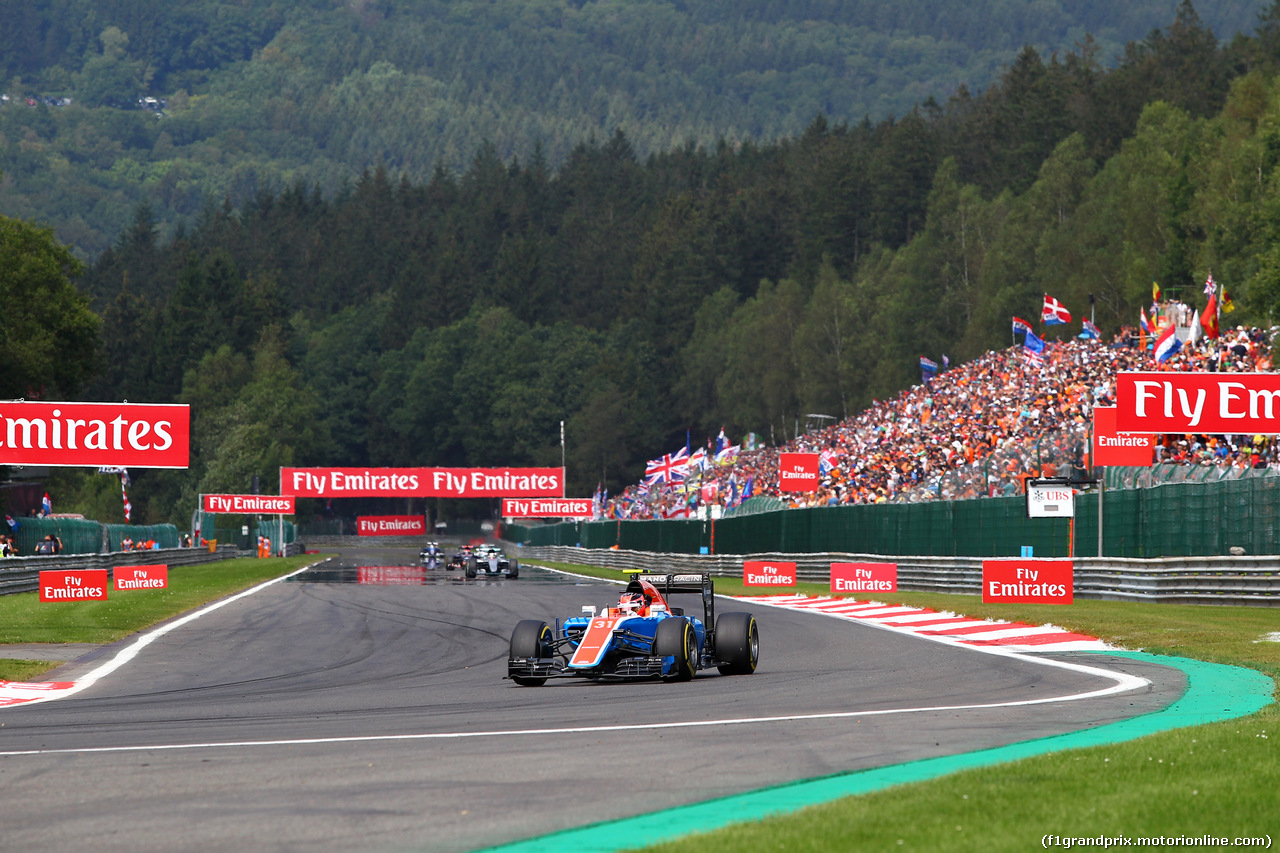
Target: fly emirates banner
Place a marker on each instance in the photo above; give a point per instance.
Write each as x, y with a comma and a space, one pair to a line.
422, 482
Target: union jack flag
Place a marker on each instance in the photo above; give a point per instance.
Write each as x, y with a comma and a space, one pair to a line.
669, 468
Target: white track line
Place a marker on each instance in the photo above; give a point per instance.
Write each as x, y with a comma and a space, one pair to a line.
1124, 683
130, 651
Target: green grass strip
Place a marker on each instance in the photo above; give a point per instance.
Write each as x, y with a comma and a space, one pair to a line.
16, 669
1215, 692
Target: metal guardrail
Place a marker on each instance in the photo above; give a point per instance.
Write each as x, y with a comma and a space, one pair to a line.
22, 574
1253, 581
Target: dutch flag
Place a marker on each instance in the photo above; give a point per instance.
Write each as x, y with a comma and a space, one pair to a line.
1167, 345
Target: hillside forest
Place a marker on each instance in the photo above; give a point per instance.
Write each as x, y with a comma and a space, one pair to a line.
457, 320
182, 103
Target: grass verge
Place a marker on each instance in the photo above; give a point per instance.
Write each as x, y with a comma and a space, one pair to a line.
1219, 779
24, 619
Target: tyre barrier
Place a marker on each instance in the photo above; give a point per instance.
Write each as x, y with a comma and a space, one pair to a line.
1253, 581
22, 574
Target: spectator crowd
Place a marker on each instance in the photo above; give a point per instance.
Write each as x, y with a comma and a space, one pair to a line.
979, 429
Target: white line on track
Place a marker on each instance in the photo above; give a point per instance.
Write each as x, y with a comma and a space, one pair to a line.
130, 651
1123, 683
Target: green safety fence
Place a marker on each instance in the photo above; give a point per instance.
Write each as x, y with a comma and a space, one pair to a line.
78, 535
1176, 520
230, 529
164, 535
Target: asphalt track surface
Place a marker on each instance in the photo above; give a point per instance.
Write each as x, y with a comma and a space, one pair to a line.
199, 742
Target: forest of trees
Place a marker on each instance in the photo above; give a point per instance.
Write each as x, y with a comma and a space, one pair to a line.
458, 319
262, 94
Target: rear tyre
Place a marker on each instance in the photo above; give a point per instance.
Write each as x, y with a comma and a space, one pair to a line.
471, 569
514, 571
737, 643
676, 638
530, 639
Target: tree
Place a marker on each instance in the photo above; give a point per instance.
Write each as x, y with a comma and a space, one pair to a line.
49, 337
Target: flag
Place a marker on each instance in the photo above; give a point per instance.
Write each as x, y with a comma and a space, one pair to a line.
710, 490
1033, 349
749, 490
928, 365
827, 461
1053, 313
46, 505
669, 467
751, 442
721, 441
698, 460
128, 507
675, 512
1167, 345
8, 519
1210, 286
1197, 331
1227, 305
1209, 319
727, 455
946, 362
1145, 325
1092, 331
1020, 325
1155, 292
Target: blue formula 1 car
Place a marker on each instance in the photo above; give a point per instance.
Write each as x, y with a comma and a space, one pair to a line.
641, 637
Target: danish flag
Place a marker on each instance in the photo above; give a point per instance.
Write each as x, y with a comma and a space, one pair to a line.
1053, 314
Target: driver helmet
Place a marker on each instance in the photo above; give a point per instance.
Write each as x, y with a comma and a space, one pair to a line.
632, 601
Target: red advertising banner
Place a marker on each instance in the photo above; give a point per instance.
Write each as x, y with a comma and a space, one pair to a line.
798, 472
422, 482
768, 573
270, 504
391, 575
1111, 447
128, 435
547, 508
1198, 403
391, 525
140, 577
1027, 581
73, 585
864, 577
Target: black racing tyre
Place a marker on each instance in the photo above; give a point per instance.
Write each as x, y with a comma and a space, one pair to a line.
737, 643
676, 637
531, 639
514, 571
472, 568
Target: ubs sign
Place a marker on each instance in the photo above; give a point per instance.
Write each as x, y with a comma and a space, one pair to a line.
1050, 501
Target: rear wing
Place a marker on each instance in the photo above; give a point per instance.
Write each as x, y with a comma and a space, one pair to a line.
693, 584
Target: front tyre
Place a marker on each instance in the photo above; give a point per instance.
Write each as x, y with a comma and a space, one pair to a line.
737, 643
530, 639
513, 571
472, 568
675, 638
